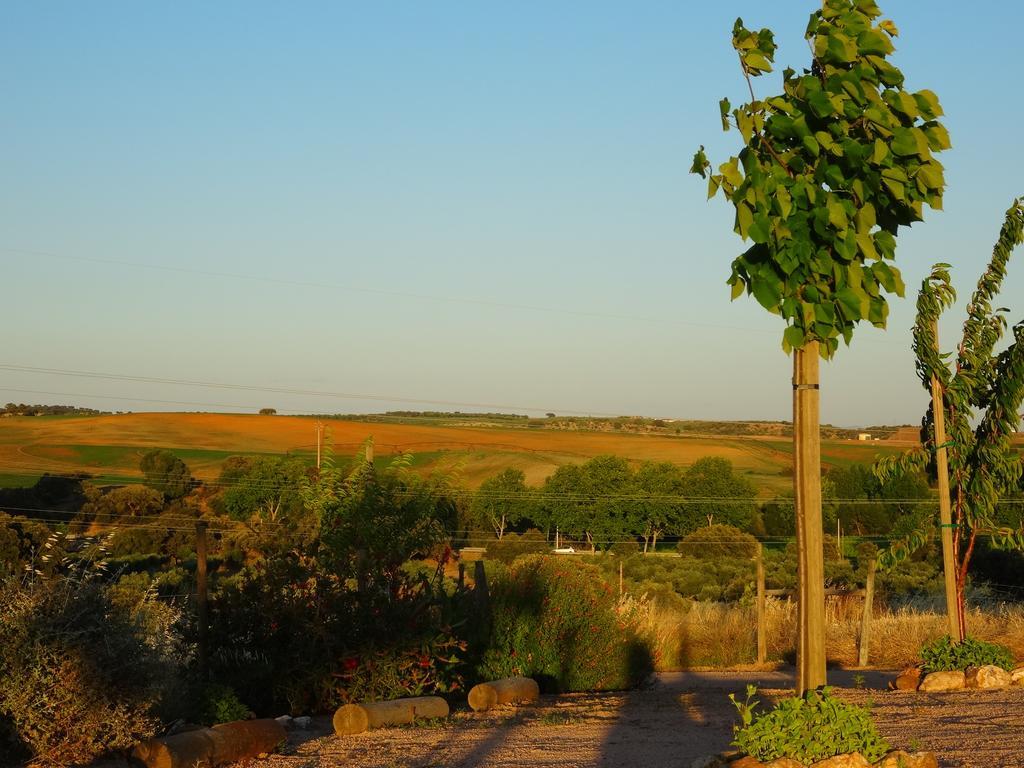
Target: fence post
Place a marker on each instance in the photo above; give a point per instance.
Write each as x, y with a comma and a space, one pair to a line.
620, 577
865, 621
956, 627
201, 591
810, 657
762, 640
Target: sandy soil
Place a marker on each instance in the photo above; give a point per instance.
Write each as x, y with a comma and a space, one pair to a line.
679, 718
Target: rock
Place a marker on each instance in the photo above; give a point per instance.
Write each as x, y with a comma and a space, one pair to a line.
1017, 676
747, 762
284, 720
936, 682
908, 679
302, 722
852, 760
784, 762
901, 759
988, 676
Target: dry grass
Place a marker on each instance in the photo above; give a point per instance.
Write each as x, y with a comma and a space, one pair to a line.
723, 635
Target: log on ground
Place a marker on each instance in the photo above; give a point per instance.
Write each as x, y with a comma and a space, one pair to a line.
208, 747
509, 690
356, 718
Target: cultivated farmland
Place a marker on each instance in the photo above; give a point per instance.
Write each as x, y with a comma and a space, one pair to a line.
110, 446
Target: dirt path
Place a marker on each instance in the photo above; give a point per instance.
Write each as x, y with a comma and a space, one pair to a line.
681, 717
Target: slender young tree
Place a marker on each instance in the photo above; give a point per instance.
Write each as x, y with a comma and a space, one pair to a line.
982, 396
830, 169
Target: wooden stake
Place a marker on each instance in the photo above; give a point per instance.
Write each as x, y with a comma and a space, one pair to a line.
620, 578
762, 640
865, 620
807, 485
201, 591
945, 512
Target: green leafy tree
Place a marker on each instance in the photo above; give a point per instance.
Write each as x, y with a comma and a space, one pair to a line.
658, 486
166, 473
982, 397
501, 502
613, 508
265, 487
127, 504
595, 500
716, 494
831, 168
262, 493
865, 505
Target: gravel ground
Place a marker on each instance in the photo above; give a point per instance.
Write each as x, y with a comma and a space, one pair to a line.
681, 716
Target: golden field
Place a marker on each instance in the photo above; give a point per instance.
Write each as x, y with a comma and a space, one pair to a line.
111, 445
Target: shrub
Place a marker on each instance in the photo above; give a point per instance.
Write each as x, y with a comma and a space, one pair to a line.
807, 729
434, 665
559, 622
220, 704
718, 541
81, 674
943, 654
288, 632
514, 545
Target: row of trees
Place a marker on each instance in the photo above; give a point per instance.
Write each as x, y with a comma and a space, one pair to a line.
606, 499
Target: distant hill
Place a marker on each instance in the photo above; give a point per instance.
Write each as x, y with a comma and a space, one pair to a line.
640, 425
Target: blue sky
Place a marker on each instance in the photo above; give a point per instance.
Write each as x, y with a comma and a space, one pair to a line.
462, 202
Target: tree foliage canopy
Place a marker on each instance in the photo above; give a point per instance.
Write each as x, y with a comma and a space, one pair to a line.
982, 396
166, 473
830, 170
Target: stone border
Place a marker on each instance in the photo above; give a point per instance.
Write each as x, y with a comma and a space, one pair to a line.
988, 677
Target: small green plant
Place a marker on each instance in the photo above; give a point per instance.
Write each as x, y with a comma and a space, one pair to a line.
222, 705
858, 681
806, 728
557, 718
943, 655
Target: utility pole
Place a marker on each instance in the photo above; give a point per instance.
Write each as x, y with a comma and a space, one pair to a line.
956, 629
